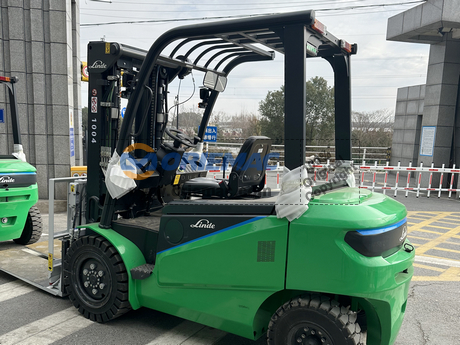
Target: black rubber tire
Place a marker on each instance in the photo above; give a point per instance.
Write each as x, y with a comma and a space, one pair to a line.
86, 258
33, 228
314, 319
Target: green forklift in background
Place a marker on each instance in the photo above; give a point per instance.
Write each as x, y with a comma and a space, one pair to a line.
20, 219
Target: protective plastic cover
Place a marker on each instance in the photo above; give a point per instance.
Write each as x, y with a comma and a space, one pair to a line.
19, 152
294, 195
117, 182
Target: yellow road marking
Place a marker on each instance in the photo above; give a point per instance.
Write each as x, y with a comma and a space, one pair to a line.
437, 269
427, 231
452, 274
419, 238
435, 242
447, 250
438, 227
438, 257
449, 221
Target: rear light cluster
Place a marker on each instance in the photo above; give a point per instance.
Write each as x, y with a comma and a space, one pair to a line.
319, 27
346, 46
378, 242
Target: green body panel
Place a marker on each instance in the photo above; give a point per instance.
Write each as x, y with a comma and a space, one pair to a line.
130, 253
320, 260
236, 278
221, 280
13, 165
15, 203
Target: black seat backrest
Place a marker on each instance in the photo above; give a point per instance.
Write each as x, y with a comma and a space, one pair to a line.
249, 168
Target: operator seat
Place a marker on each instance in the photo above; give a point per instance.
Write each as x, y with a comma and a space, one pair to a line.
247, 175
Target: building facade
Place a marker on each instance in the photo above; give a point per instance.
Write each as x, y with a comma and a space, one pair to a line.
427, 122
39, 44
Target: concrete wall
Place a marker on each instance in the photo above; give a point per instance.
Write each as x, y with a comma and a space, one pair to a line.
408, 121
441, 99
40, 45
434, 22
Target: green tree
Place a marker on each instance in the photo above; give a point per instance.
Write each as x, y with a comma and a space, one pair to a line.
272, 111
319, 116
320, 112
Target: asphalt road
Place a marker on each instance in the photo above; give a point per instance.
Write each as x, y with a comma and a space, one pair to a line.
31, 316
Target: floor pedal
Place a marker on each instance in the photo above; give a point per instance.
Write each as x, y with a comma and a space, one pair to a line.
142, 272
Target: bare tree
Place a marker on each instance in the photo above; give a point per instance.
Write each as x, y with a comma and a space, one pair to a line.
373, 128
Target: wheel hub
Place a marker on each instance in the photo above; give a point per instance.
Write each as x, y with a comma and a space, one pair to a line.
94, 279
308, 334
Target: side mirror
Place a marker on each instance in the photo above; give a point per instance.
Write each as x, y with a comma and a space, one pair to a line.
214, 81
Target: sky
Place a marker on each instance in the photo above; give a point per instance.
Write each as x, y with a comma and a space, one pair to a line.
378, 69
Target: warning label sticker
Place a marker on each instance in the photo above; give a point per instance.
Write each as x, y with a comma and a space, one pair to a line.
94, 104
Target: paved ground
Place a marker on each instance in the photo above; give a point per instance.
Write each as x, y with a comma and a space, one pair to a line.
31, 316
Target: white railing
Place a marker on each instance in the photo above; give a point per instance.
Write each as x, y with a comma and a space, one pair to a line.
381, 180
359, 154
418, 172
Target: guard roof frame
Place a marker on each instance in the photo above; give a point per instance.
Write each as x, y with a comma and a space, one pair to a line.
287, 33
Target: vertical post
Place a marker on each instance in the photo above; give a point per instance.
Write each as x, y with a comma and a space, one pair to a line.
294, 95
342, 94
14, 112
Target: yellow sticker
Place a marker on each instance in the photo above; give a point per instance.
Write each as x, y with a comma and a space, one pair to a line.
107, 47
50, 262
177, 179
72, 187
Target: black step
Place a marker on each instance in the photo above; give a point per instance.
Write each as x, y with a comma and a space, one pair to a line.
142, 272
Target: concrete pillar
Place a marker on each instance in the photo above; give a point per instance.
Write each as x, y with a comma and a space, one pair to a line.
40, 45
441, 98
408, 121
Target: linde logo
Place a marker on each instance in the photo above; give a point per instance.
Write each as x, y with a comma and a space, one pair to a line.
203, 224
6, 179
98, 64
404, 233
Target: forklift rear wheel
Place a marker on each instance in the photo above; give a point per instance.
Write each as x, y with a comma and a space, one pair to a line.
96, 279
33, 228
314, 320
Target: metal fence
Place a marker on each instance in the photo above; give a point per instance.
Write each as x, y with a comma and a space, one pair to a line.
447, 176
381, 178
322, 153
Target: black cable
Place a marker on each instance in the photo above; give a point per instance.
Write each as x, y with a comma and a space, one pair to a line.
247, 16
188, 99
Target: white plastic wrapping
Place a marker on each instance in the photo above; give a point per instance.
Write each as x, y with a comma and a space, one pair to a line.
351, 181
19, 152
118, 184
294, 195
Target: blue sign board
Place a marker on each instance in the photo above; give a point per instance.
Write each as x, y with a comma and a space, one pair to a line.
123, 112
2, 119
210, 135
72, 143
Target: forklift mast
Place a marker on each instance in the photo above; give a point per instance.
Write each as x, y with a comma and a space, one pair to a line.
9, 83
214, 48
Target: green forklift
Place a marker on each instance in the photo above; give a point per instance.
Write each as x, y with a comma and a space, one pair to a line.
223, 252
20, 219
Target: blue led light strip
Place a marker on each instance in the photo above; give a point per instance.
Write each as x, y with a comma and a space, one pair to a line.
382, 230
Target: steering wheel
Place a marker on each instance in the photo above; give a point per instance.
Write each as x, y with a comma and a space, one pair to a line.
179, 138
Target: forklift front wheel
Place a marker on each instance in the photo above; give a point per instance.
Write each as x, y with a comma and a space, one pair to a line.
33, 228
314, 320
96, 279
